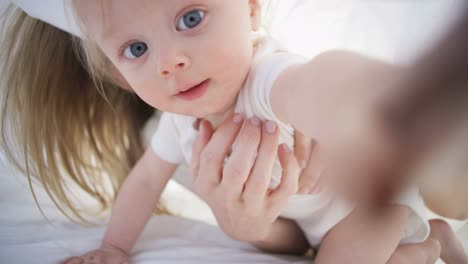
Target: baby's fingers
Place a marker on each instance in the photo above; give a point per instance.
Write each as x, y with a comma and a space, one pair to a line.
289, 179
73, 260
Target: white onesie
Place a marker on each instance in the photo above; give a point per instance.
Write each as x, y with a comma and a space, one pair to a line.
315, 214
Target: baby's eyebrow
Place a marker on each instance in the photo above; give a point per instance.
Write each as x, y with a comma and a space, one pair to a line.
111, 33
110, 27
108, 31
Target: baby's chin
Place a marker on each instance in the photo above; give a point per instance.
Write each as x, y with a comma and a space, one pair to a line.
209, 106
195, 113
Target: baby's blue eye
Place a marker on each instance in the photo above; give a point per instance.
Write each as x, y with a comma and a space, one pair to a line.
190, 20
135, 50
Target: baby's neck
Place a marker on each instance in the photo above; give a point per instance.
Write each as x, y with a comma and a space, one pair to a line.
218, 118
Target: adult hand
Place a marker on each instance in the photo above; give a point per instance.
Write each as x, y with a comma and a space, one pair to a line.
238, 190
310, 158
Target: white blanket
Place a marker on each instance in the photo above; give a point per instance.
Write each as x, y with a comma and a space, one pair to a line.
27, 237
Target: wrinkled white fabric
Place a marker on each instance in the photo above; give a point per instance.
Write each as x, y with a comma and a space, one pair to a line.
27, 237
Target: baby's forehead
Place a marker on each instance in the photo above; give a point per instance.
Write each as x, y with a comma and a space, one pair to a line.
107, 17
104, 19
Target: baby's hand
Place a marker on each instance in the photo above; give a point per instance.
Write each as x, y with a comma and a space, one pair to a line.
104, 255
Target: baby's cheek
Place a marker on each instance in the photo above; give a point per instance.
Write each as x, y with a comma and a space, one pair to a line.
235, 64
151, 95
234, 47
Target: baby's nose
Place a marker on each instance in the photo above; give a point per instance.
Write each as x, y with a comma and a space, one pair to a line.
169, 65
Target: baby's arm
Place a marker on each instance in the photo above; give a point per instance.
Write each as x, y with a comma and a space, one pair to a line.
137, 200
323, 96
134, 206
447, 197
337, 99
364, 237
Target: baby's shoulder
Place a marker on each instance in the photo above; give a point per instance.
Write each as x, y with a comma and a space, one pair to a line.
272, 64
266, 69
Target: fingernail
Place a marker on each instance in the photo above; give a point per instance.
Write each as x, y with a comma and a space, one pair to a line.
270, 127
238, 118
303, 164
286, 148
255, 121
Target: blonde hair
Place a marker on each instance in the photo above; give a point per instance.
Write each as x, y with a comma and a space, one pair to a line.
65, 119
60, 125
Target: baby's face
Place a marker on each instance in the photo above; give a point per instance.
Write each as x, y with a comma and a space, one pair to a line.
188, 57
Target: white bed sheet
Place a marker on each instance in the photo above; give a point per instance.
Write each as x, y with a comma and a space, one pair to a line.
27, 237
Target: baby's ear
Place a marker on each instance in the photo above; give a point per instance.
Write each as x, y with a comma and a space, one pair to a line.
255, 14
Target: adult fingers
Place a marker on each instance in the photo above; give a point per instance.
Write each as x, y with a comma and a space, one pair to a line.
213, 155
303, 147
310, 175
289, 180
204, 136
239, 164
259, 180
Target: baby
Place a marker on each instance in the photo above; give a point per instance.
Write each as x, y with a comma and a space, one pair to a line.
200, 60
197, 59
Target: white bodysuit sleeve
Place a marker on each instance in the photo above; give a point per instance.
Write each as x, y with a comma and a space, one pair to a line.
165, 142
417, 228
254, 98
